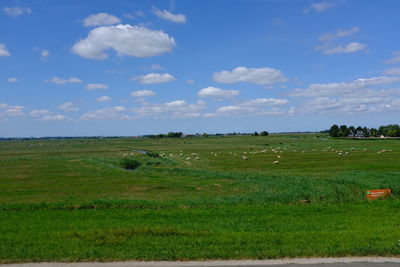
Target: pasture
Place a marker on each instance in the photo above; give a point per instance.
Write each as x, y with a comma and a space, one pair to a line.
232, 197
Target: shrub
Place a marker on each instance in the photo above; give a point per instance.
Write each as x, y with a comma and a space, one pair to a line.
153, 154
130, 164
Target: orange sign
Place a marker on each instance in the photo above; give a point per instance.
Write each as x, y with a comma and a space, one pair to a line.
378, 193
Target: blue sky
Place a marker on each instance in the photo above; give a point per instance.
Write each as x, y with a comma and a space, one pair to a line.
72, 68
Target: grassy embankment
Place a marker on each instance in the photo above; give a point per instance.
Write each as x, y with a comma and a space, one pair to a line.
70, 200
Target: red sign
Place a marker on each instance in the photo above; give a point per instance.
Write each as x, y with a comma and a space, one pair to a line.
378, 193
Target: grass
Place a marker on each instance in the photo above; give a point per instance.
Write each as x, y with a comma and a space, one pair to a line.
70, 200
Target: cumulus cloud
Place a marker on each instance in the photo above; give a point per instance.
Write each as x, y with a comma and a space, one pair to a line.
68, 106
340, 49
217, 93
11, 110
103, 99
173, 109
328, 37
251, 75
12, 80
57, 117
124, 40
164, 14
338, 88
59, 80
39, 112
113, 113
371, 101
96, 86
100, 19
394, 59
319, 7
142, 93
253, 107
17, 11
3, 51
155, 78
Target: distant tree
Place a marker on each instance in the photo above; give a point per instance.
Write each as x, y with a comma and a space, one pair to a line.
264, 133
343, 131
334, 131
174, 134
366, 132
392, 130
373, 132
205, 135
255, 133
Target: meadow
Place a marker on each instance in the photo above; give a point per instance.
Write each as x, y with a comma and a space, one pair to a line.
231, 197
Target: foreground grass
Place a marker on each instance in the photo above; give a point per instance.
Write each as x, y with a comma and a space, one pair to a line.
70, 200
237, 232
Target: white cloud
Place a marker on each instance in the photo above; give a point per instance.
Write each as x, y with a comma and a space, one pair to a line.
59, 80
254, 107
12, 80
134, 14
394, 59
113, 113
217, 93
68, 106
17, 11
190, 81
142, 93
100, 19
339, 49
265, 102
125, 40
164, 14
103, 99
372, 101
393, 71
319, 7
173, 109
44, 54
156, 67
10, 110
155, 78
338, 88
57, 117
96, 86
251, 75
39, 112
328, 37
3, 51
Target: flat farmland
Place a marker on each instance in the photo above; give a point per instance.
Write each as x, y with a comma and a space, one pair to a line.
231, 197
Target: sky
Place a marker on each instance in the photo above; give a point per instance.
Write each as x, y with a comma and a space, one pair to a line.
125, 68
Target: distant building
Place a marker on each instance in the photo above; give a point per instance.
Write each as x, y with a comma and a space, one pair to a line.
359, 134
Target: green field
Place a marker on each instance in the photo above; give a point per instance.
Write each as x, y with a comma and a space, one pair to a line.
70, 200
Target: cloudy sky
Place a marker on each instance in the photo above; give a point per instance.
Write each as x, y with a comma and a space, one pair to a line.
124, 67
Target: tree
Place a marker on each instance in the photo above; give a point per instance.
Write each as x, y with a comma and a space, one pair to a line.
255, 133
374, 132
366, 132
334, 131
343, 131
264, 133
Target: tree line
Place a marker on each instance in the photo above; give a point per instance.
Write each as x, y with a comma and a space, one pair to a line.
391, 130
